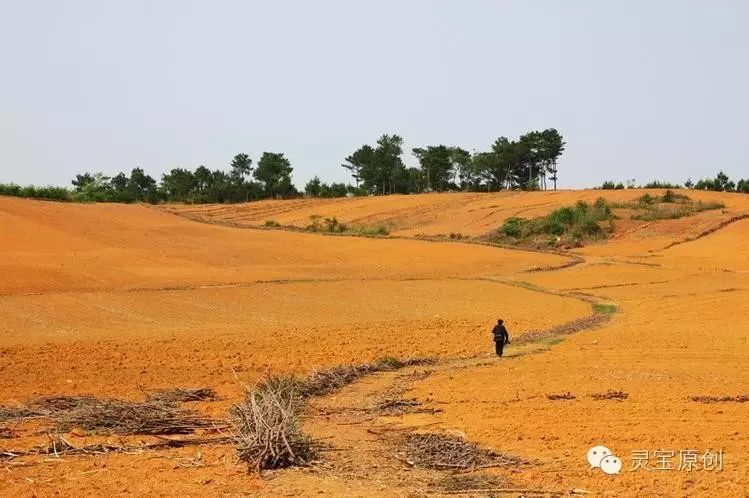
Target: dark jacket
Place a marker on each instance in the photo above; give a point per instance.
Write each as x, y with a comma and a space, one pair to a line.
500, 334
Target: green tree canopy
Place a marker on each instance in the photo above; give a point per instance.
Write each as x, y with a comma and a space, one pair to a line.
274, 171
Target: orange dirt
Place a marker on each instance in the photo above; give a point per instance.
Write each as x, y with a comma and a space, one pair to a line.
109, 299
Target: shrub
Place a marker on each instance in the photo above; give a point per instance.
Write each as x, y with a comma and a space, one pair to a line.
587, 227
647, 199
272, 223
572, 223
370, 231
562, 216
333, 226
512, 227
671, 196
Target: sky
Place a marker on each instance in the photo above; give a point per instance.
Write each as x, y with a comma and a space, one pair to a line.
639, 89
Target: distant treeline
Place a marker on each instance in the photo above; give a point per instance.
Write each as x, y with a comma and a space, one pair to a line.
528, 163
721, 183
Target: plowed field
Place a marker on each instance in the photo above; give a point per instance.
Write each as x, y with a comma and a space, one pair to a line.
110, 300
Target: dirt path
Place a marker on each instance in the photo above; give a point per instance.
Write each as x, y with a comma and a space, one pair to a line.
364, 425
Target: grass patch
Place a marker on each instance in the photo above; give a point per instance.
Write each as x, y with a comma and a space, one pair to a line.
551, 341
605, 309
669, 206
660, 212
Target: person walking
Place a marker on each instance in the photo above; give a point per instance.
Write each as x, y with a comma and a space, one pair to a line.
501, 337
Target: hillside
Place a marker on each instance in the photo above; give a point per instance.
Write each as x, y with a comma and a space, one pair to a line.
110, 300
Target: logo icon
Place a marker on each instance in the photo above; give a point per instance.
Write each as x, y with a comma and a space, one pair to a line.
600, 457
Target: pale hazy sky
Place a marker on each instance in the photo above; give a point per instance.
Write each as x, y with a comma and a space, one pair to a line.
643, 89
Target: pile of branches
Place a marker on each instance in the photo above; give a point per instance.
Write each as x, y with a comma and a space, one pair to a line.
59, 446
265, 426
110, 416
445, 451
610, 394
181, 395
559, 396
325, 381
741, 398
15, 413
266, 429
129, 417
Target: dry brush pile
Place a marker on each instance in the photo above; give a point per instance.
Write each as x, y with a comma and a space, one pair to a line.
266, 426
153, 416
450, 452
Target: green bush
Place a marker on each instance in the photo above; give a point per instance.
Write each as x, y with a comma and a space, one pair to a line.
553, 227
373, 231
512, 227
562, 216
647, 199
567, 223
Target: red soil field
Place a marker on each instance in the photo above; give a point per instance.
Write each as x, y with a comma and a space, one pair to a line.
113, 299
